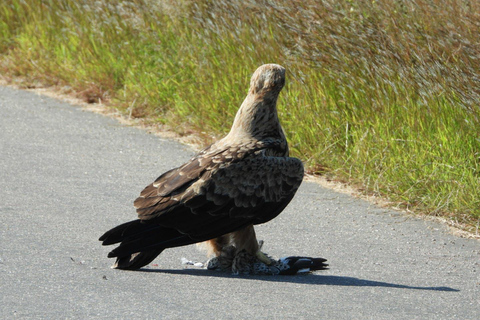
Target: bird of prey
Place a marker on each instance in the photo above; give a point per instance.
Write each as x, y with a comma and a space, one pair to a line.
245, 179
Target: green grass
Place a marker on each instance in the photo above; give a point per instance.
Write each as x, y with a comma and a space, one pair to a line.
382, 95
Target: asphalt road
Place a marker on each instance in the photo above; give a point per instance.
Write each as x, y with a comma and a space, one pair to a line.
67, 175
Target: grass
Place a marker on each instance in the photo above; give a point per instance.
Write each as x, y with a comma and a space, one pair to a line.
381, 95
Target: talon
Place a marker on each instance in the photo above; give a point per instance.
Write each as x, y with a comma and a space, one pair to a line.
262, 257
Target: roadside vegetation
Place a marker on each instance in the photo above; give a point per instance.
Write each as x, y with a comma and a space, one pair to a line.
382, 95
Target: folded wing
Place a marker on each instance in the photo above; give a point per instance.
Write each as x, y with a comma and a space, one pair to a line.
205, 198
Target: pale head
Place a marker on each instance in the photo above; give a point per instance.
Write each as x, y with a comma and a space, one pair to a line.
257, 117
269, 78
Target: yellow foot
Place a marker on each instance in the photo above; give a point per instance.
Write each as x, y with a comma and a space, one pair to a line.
262, 257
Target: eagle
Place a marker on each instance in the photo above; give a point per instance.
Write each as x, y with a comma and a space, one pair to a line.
218, 196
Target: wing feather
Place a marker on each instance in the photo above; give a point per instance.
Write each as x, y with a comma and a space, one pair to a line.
214, 193
271, 179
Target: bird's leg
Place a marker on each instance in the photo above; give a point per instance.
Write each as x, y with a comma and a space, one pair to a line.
216, 246
223, 253
245, 239
261, 256
240, 253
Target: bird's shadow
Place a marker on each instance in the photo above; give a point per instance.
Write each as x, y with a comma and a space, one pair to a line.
311, 279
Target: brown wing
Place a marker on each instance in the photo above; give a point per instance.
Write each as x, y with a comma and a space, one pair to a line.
255, 181
206, 198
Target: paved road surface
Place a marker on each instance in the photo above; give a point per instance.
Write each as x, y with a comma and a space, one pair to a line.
68, 175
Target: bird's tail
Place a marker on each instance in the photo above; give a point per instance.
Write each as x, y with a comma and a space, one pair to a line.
136, 260
141, 242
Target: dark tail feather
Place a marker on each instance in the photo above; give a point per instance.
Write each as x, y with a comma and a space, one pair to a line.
303, 264
125, 230
137, 260
151, 240
141, 242
308, 263
319, 264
